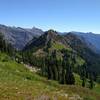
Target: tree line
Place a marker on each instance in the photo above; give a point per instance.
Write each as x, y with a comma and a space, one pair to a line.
5, 46
61, 70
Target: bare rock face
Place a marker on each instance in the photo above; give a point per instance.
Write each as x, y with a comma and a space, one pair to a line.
19, 37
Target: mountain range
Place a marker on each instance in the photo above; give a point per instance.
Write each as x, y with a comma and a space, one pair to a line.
71, 58
91, 39
19, 37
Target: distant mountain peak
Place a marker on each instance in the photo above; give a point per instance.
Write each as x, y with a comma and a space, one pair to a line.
18, 36
91, 39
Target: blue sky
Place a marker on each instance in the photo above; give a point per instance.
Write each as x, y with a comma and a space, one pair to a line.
61, 15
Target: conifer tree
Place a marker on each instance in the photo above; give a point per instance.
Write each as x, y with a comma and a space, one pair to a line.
91, 83
69, 77
62, 76
83, 75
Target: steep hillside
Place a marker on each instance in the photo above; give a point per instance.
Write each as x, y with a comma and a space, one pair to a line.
18, 36
21, 81
78, 51
91, 39
85, 51
18, 83
47, 43
48, 37
51, 53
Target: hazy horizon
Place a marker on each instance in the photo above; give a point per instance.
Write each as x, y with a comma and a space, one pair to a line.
48, 29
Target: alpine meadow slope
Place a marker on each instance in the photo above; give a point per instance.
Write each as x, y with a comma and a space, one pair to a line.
48, 66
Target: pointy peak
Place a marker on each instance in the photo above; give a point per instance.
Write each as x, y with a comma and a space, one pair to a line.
51, 33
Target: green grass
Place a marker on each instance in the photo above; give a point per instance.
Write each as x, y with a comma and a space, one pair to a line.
78, 82
97, 88
80, 61
18, 83
58, 46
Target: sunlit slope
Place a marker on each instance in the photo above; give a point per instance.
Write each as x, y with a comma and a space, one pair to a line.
18, 83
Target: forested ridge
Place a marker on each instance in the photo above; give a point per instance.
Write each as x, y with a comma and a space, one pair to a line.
58, 68
59, 57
